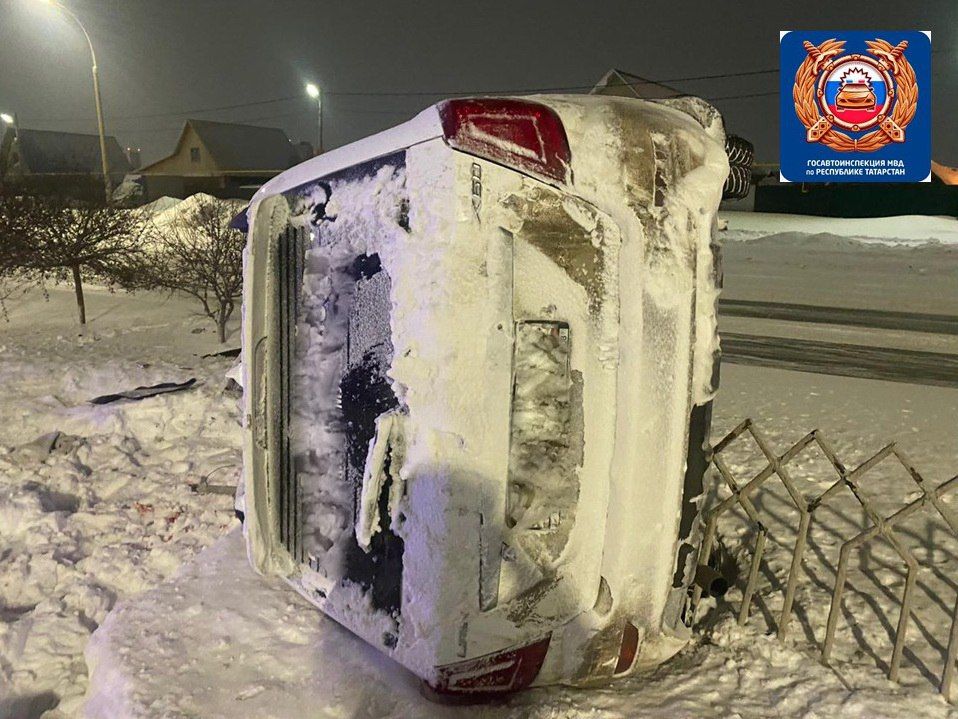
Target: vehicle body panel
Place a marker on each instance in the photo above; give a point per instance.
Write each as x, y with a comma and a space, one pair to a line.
519, 492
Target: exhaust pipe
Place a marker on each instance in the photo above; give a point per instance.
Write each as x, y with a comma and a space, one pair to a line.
712, 582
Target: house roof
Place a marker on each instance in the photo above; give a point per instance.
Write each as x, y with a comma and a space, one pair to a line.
47, 152
619, 82
242, 148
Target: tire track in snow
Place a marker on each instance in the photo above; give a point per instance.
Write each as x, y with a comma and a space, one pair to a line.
849, 360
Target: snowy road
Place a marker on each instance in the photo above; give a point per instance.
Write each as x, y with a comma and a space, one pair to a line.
866, 355
878, 319
848, 360
819, 268
879, 300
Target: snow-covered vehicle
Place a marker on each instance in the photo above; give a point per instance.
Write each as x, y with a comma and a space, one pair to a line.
479, 354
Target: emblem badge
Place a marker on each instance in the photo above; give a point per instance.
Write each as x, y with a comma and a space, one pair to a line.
855, 106
836, 93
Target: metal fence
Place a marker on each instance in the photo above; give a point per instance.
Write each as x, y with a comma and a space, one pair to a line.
776, 468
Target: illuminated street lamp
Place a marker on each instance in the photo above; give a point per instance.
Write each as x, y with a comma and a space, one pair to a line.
314, 92
7, 119
11, 120
96, 92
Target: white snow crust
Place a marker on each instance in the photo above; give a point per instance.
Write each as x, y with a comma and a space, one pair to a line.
166, 212
362, 221
903, 229
546, 445
109, 511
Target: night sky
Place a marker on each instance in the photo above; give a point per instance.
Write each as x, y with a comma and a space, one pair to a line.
162, 61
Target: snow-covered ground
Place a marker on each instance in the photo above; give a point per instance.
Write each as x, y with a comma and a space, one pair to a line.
905, 229
900, 264
219, 641
110, 513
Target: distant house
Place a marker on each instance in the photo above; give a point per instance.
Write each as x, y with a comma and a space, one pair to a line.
221, 159
26, 153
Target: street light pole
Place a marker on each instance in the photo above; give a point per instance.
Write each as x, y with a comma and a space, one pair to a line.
96, 96
11, 120
317, 94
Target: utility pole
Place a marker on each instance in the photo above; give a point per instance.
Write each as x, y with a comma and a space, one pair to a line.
107, 185
317, 94
11, 120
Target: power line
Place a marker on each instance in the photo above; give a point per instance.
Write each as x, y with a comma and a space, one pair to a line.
362, 111
179, 128
416, 93
406, 113
743, 96
443, 93
168, 114
565, 88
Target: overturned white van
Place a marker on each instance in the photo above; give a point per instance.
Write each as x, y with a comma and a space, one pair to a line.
479, 354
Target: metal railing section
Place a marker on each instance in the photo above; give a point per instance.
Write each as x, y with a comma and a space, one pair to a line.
846, 480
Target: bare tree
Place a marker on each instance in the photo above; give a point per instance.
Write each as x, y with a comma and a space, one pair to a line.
18, 214
12, 241
68, 237
201, 255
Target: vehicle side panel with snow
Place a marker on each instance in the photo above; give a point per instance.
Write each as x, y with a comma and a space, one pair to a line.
474, 346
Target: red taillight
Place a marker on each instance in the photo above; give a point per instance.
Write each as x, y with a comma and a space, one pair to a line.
628, 649
517, 133
490, 675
